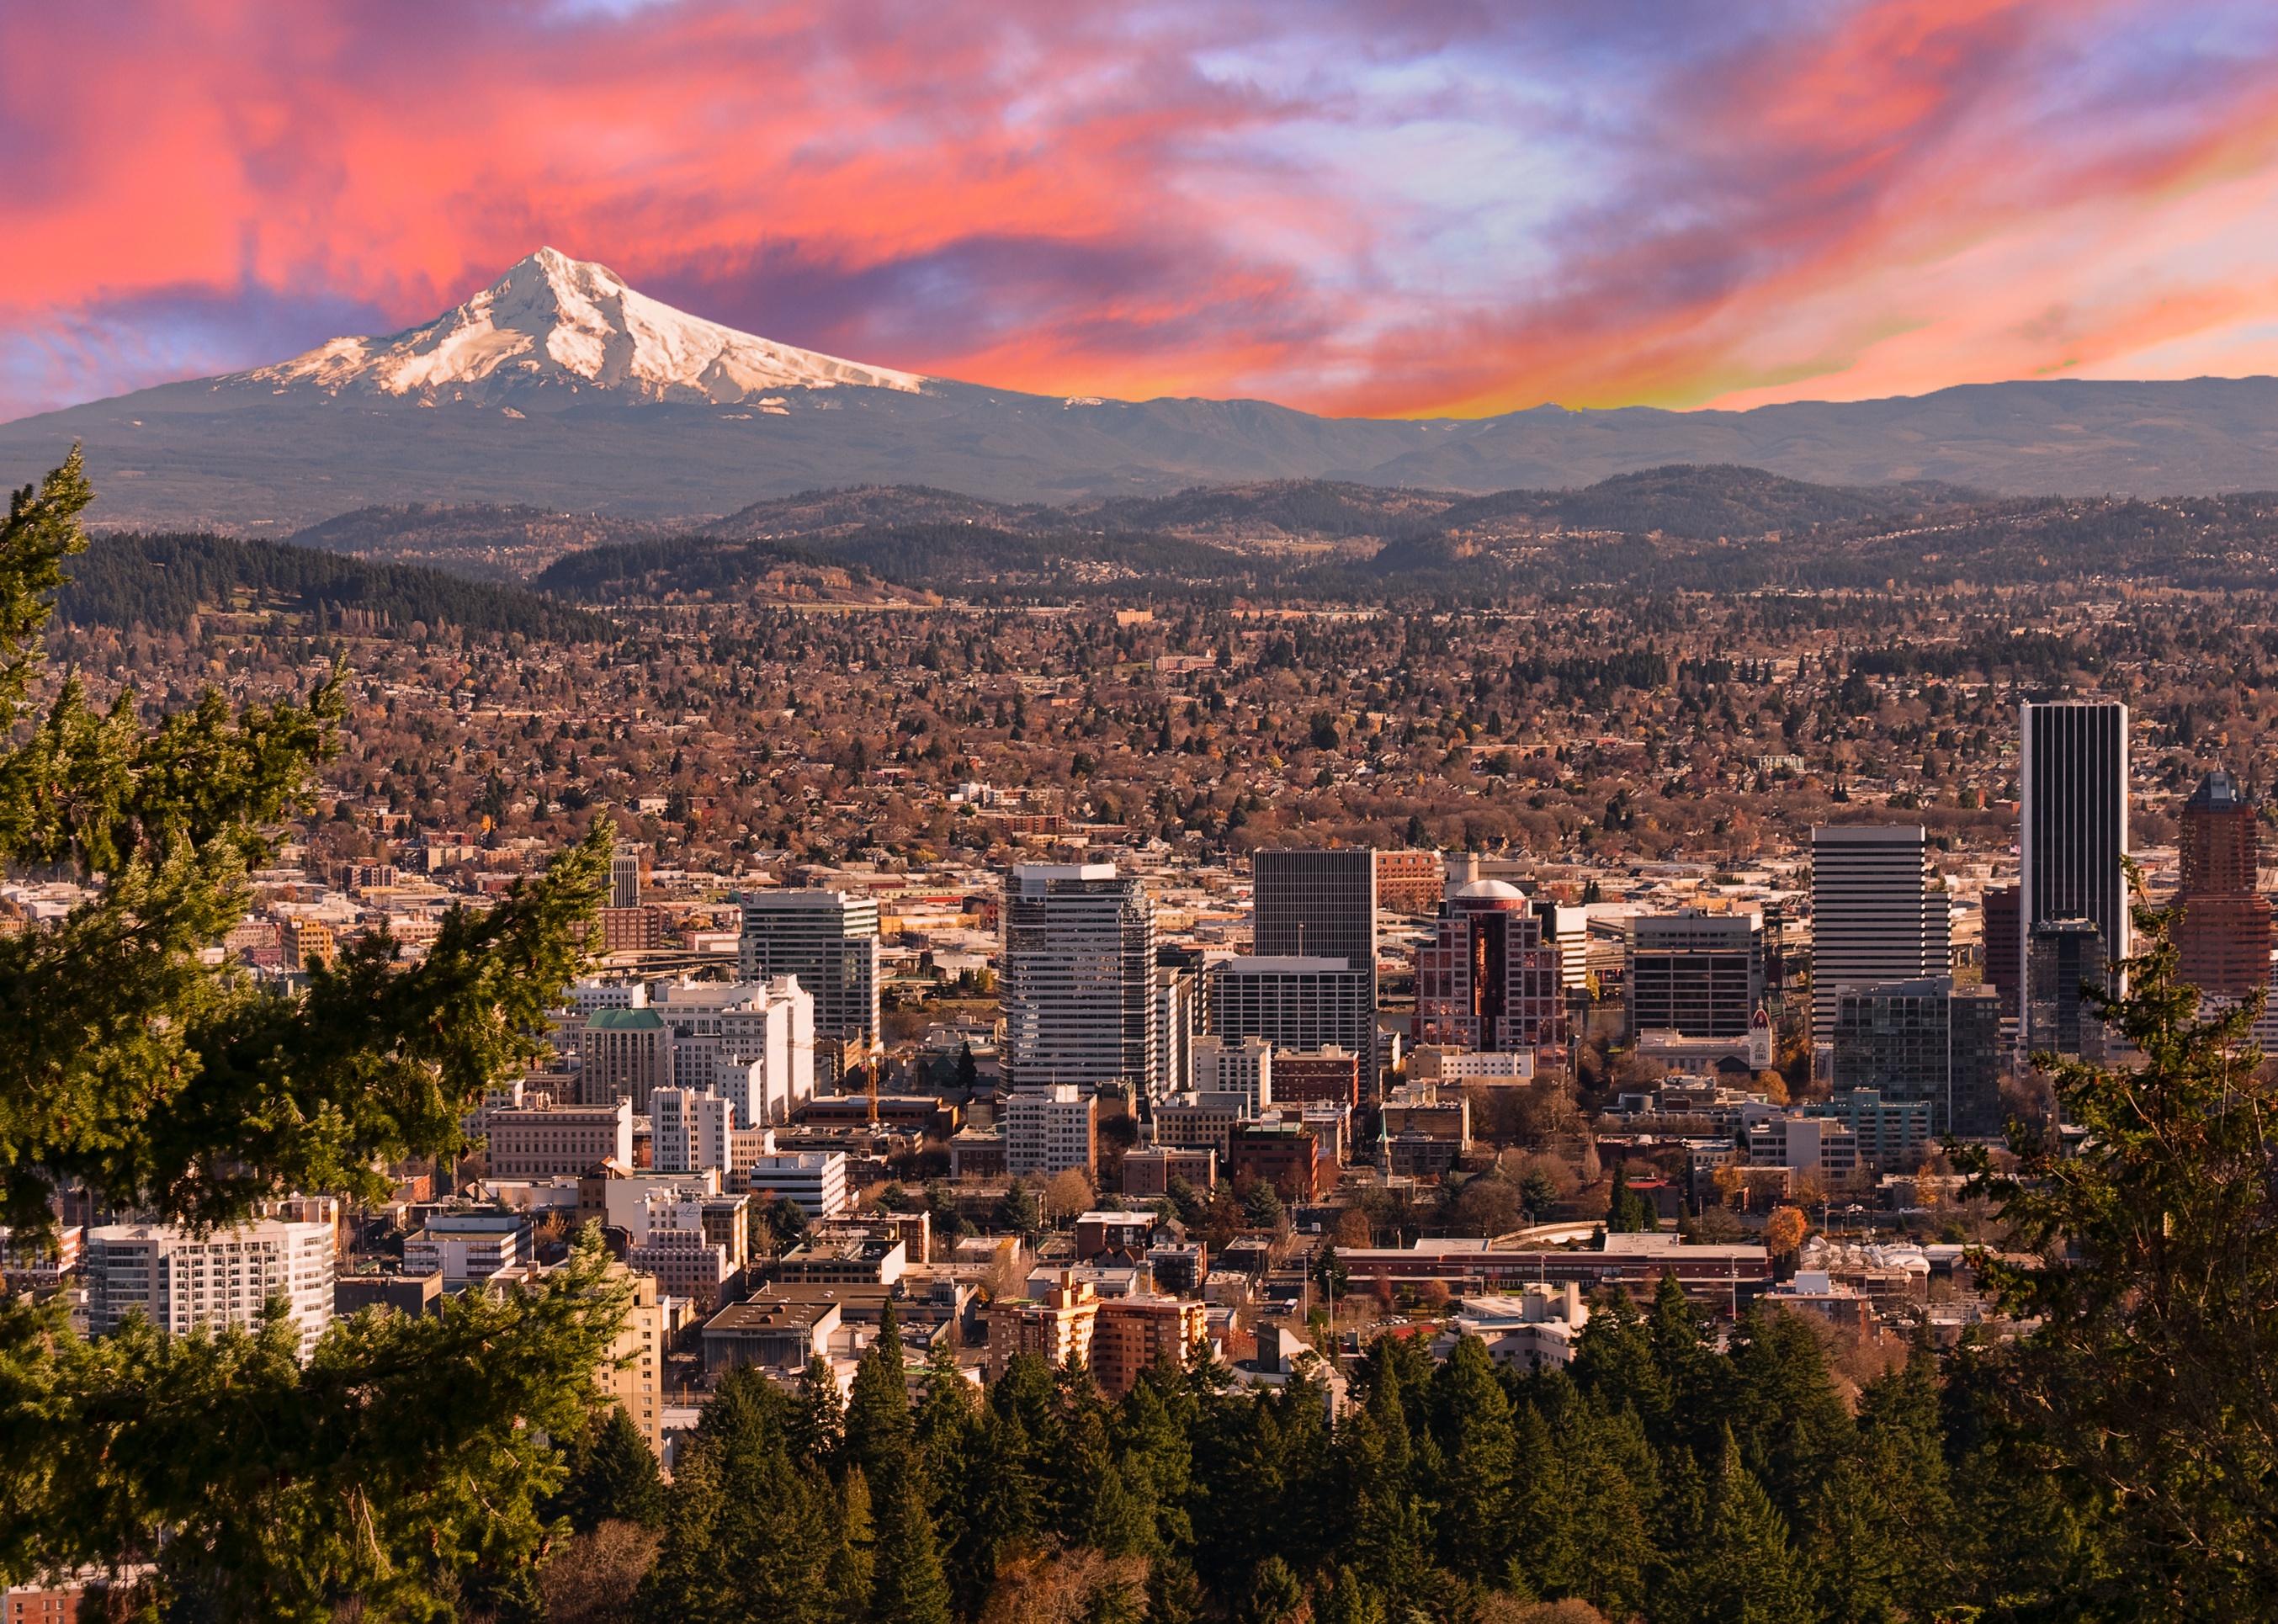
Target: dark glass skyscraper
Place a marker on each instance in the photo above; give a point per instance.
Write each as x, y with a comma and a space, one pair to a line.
1320, 903
2073, 820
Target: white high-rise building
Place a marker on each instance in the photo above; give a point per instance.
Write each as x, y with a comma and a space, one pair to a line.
690, 1130
180, 1281
751, 1043
1077, 979
829, 939
1878, 913
2073, 821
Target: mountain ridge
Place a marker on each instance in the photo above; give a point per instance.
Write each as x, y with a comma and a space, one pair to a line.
560, 387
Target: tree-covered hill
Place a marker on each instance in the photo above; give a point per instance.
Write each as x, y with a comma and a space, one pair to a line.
159, 581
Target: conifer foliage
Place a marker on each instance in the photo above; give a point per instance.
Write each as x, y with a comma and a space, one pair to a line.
403, 1466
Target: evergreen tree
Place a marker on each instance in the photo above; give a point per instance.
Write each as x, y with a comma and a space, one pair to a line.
1784, 1407
2144, 1393
613, 1475
1693, 1376
1608, 1549
1388, 1533
816, 1423
1275, 1595
1614, 1360
1744, 1571
1479, 1448
910, 1586
877, 1435
1001, 1506
406, 1458
1347, 1601
851, 1578
748, 1533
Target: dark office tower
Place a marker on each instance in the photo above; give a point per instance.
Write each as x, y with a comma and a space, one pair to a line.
1927, 1040
2064, 957
2223, 936
2005, 945
2073, 820
1320, 903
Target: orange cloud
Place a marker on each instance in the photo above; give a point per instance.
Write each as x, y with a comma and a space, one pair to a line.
1664, 202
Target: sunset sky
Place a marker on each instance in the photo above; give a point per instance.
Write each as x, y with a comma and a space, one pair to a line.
1406, 209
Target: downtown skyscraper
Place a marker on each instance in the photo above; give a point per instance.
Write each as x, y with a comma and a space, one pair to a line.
1878, 913
2073, 823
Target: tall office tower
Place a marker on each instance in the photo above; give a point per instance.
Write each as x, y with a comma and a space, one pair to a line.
829, 940
1178, 1019
1878, 913
1077, 979
2005, 948
2073, 823
1700, 974
2223, 937
1924, 1040
1489, 979
1295, 1003
1320, 903
625, 866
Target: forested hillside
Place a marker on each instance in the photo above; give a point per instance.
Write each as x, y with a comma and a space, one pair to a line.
159, 581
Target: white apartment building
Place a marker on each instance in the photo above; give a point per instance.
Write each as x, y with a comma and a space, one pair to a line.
182, 1282
469, 1248
1242, 1066
690, 1132
816, 1179
750, 1041
1049, 1131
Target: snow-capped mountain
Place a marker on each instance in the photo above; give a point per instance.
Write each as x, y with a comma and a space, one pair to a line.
552, 321
560, 388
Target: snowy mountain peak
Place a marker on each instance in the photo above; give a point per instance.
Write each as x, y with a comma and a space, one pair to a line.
554, 322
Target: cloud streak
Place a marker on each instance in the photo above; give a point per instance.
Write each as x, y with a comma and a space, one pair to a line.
1432, 207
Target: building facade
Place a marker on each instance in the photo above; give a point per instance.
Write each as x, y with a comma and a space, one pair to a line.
1924, 1040
2222, 936
557, 1141
1295, 1001
1051, 1130
623, 1054
1489, 979
1700, 974
1077, 979
1878, 913
2073, 821
690, 1132
1320, 903
828, 941
181, 1281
